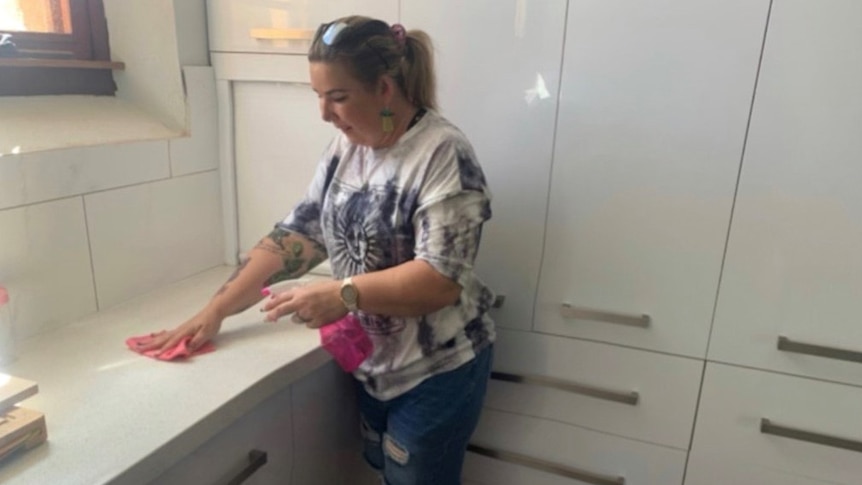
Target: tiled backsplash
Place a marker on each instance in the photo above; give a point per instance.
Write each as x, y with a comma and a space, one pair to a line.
87, 228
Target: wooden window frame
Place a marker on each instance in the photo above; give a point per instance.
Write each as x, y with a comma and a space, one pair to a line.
59, 63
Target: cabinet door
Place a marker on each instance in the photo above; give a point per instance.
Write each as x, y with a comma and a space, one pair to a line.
498, 65
279, 139
654, 103
327, 442
282, 26
794, 264
761, 428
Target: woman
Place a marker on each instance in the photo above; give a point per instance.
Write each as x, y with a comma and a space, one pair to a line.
397, 205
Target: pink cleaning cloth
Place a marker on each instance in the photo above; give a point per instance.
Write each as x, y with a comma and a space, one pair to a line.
179, 351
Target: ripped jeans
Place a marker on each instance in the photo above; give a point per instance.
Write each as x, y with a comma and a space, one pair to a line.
420, 437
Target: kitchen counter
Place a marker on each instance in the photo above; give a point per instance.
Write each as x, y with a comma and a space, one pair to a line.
114, 416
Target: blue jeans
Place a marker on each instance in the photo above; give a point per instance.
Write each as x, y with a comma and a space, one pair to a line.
420, 437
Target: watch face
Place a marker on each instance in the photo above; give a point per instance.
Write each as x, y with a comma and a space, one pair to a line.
348, 293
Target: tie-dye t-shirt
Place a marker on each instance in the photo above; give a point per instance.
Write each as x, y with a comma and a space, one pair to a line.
423, 198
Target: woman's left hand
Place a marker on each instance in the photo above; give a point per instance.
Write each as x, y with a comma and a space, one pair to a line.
315, 305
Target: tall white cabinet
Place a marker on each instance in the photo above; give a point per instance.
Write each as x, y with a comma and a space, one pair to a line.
788, 302
794, 258
653, 109
652, 101
498, 69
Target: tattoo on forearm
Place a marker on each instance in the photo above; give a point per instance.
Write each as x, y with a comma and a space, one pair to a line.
239, 268
280, 276
294, 265
278, 236
267, 246
292, 252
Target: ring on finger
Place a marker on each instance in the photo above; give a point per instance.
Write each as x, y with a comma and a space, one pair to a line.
297, 318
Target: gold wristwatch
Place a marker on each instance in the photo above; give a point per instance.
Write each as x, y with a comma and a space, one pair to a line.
349, 295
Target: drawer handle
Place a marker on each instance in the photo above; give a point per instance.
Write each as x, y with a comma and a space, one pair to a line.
788, 345
573, 312
630, 398
768, 427
546, 466
281, 34
256, 459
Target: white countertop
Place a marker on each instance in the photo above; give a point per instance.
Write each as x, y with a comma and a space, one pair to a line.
114, 416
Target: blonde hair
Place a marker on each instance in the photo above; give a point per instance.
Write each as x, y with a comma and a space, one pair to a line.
370, 49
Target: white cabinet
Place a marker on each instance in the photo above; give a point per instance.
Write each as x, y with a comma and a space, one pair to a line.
626, 392
279, 139
528, 446
282, 26
654, 103
498, 67
762, 428
327, 445
794, 265
793, 271
270, 129
309, 432
484, 470
267, 429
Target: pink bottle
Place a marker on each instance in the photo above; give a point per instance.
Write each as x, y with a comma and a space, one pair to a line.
347, 342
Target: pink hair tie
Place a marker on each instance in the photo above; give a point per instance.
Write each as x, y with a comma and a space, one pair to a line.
400, 33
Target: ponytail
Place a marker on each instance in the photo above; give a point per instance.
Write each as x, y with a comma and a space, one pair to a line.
418, 70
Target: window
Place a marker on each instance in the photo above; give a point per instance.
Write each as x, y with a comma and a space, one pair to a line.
54, 47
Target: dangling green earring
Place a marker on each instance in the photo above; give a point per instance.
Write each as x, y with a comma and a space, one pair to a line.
388, 124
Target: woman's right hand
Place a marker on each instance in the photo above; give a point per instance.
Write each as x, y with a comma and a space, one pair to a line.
201, 328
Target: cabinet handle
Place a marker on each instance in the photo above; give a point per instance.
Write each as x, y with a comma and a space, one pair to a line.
256, 459
768, 427
630, 398
547, 466
281, 34
573, 312
788, 345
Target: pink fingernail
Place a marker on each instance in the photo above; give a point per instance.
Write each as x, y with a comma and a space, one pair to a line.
265, 291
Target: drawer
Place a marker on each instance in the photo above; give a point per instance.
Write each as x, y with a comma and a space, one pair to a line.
268, 429
492, 471
632, 393
761, 428
705, 470
282, 26
509, 449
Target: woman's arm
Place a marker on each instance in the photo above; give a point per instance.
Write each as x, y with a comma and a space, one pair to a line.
410, 289
280, 255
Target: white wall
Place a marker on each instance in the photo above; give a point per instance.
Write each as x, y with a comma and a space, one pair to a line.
87, 228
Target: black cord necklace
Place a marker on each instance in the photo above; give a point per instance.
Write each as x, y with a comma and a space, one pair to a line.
418, 116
